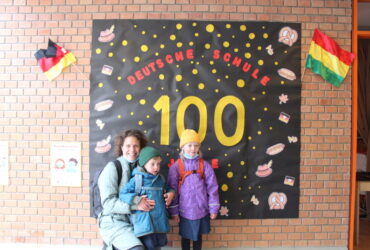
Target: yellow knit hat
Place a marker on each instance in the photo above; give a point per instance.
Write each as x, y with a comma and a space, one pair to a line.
188, 135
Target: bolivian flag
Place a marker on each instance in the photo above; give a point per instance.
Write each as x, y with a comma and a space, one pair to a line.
54, 59
327, 59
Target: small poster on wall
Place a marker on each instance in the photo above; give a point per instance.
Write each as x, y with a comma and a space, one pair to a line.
4, 165
65, 164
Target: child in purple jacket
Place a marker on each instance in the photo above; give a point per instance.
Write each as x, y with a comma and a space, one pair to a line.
195, 182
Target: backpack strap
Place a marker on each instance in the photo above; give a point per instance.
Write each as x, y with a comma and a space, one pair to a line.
118, 165
183, 174
138, 183
200, 170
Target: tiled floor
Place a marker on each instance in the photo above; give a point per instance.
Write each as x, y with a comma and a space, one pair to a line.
364, 243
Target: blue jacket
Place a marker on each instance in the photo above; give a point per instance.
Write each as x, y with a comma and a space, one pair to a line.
156, 220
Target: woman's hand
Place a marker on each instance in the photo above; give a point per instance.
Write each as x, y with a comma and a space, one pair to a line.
145, 204
213, 216
176, 218
168, 197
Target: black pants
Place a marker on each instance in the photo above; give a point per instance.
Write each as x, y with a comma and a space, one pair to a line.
197, 245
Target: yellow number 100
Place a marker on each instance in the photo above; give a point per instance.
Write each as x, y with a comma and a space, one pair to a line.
163, 105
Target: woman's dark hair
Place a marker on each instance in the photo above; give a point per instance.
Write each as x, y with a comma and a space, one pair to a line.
120, 139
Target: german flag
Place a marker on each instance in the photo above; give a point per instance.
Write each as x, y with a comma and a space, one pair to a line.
54, 59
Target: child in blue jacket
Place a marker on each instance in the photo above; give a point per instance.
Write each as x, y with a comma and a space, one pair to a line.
151, 227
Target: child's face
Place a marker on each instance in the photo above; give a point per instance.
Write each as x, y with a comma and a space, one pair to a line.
191, 148
153, 165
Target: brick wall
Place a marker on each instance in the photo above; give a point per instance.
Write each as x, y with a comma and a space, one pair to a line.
34, 112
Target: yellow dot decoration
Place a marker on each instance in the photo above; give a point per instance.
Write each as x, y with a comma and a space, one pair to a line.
194, 24
214, 71
224, 187
207, 46
173, 37
132, 113
191, 43
150, 88
228, 26
243, 27
201, 86
217, 90
124, 43
265, 109
178, 78
142, 101
140, 123
162, 46
123, 59
137, 59
276, 63
128, 97
119, 116
196, 34
259, 132
240, 83
147, 116
116, 91
242, 163
100, 84
210, 28
265, 35
249, 137
229, 174
252, 36
98, 51
194, 71
119, 78
179, 26
110, 54
260, 62
111, 44
179, 44
226, 44
161, 77
144, 48
247, 55
155, 36
248, 45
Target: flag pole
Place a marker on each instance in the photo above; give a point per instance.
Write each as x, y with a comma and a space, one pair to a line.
304, 70
79, 71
